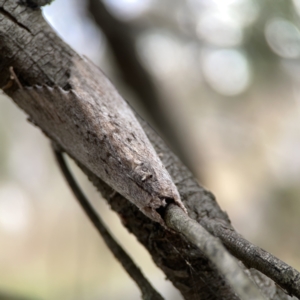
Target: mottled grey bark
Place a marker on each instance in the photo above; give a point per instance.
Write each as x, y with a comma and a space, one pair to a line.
47, 68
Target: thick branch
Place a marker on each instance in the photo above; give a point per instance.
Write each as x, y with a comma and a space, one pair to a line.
187, 267
202, 207
176, 219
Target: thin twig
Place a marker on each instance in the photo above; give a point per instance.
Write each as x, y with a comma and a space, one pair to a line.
148, 292
254, 257
177, 220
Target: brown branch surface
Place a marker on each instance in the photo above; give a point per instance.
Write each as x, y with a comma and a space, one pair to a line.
39, 57
178, 220
185, 266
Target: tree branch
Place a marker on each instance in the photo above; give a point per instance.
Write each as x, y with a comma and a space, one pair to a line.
254, 257
216, 252
42, 61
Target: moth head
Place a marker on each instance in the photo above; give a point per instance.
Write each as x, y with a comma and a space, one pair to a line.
143, 172
159, 187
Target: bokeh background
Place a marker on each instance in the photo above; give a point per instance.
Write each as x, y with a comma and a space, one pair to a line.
226, 75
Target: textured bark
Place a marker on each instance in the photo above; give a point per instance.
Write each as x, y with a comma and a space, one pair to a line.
176, 219
184, 265
202, 207
46, 66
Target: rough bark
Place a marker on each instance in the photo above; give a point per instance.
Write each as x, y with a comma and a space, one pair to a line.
42, 62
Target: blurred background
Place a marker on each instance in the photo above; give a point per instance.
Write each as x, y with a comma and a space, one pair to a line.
219, 79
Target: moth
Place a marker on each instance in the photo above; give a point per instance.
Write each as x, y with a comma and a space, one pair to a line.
96, 126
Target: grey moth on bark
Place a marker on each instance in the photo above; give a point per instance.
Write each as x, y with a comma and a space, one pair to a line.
99, 129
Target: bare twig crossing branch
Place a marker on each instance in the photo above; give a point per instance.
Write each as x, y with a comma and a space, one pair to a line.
213, 248
254, 257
